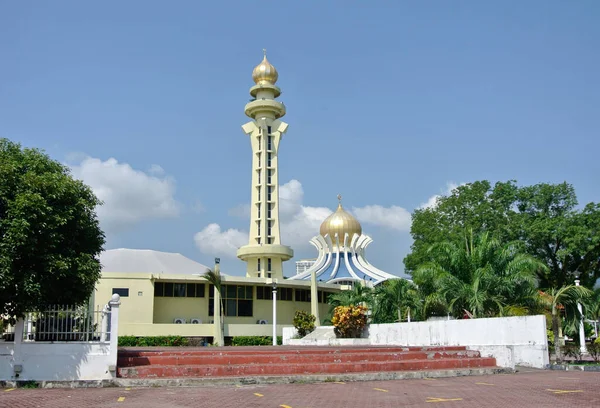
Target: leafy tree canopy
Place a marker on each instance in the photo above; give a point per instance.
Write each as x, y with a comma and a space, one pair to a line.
543, 217
50, 238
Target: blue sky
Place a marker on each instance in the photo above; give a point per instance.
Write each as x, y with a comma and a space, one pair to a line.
388, 103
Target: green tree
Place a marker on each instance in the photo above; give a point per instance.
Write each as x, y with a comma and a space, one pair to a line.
565, 297
50, 238
395, 300
214, 278
544, 217
481, 278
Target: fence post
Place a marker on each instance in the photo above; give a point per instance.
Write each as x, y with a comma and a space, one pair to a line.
114, 304
17, 349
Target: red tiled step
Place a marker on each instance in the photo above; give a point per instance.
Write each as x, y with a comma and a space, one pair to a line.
296, 358
279, 350
209, 370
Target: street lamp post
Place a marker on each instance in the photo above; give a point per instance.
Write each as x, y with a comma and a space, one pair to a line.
581, 323
274, 312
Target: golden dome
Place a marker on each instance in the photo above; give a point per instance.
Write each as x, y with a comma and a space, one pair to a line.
340, 222
265, 72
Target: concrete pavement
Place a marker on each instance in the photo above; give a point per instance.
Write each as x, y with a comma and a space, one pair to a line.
526, 388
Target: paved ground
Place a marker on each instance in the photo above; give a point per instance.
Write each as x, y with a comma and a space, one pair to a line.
526, 388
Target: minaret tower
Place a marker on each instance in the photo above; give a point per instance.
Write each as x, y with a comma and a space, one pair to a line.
264, 253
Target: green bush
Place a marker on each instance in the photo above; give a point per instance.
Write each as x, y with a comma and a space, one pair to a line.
255, 340
304, 322
594, 350
152, 341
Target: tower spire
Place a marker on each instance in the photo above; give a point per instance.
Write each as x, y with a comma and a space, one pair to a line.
264, 253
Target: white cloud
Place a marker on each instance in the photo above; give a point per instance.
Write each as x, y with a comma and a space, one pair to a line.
156, 170
299, 223
130, 196
393, 217
432, 201
212, 241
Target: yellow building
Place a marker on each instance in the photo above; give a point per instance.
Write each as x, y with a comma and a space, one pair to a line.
164, 294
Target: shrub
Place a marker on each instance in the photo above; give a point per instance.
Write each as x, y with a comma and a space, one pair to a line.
573, 351
254, 340
349, 321
152, 341
594, 350
304, 322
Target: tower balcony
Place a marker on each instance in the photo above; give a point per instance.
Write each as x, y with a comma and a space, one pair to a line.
268, 250
272, 106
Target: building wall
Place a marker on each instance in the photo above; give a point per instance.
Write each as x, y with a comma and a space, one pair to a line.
138, 306
146, 315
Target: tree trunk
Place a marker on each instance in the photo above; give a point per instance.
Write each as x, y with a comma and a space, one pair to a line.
555, 325
399, 315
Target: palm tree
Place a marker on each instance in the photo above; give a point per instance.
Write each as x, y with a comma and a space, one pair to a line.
481, 278
567, 298
393, 297
593, 309
214, 278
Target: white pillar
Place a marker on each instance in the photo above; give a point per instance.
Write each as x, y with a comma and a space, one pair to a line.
314, 298
114, 304
274, 314
581, 325
104, 324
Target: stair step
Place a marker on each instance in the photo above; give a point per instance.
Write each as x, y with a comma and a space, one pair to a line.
279, 350
212, 370
275, 358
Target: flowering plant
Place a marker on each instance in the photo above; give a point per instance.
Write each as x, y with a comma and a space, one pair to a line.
349, 321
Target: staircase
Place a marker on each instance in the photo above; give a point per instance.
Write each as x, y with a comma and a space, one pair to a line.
210, 362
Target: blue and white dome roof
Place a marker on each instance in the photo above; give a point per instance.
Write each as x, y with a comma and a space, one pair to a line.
341, 246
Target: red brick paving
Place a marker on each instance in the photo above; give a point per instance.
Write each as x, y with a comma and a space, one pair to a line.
528, 388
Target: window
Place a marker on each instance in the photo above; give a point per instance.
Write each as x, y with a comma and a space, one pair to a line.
302, 295
259, 161
258, 189
259, 144
258, 240
259, 176
269, 264
179, 290
237, 300
269, 179
266, 293
258, 224
269, 158
269, 142
269, 129
269, 226
258, 210
123, 292
269, 240
269, 213
258, 264
172, 289
323, 296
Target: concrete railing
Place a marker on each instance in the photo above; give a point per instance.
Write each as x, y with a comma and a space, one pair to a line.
55, 354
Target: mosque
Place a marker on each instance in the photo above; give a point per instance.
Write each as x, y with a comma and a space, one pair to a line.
165, 293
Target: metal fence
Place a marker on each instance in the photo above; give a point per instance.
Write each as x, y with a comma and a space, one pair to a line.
7, 331
67, 323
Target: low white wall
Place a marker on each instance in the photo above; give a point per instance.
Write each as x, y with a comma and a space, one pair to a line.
57, 361
510, 340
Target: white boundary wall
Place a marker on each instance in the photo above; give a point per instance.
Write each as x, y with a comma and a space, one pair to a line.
511, 340
60, 361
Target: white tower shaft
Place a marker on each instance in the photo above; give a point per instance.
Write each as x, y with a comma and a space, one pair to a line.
264, 253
